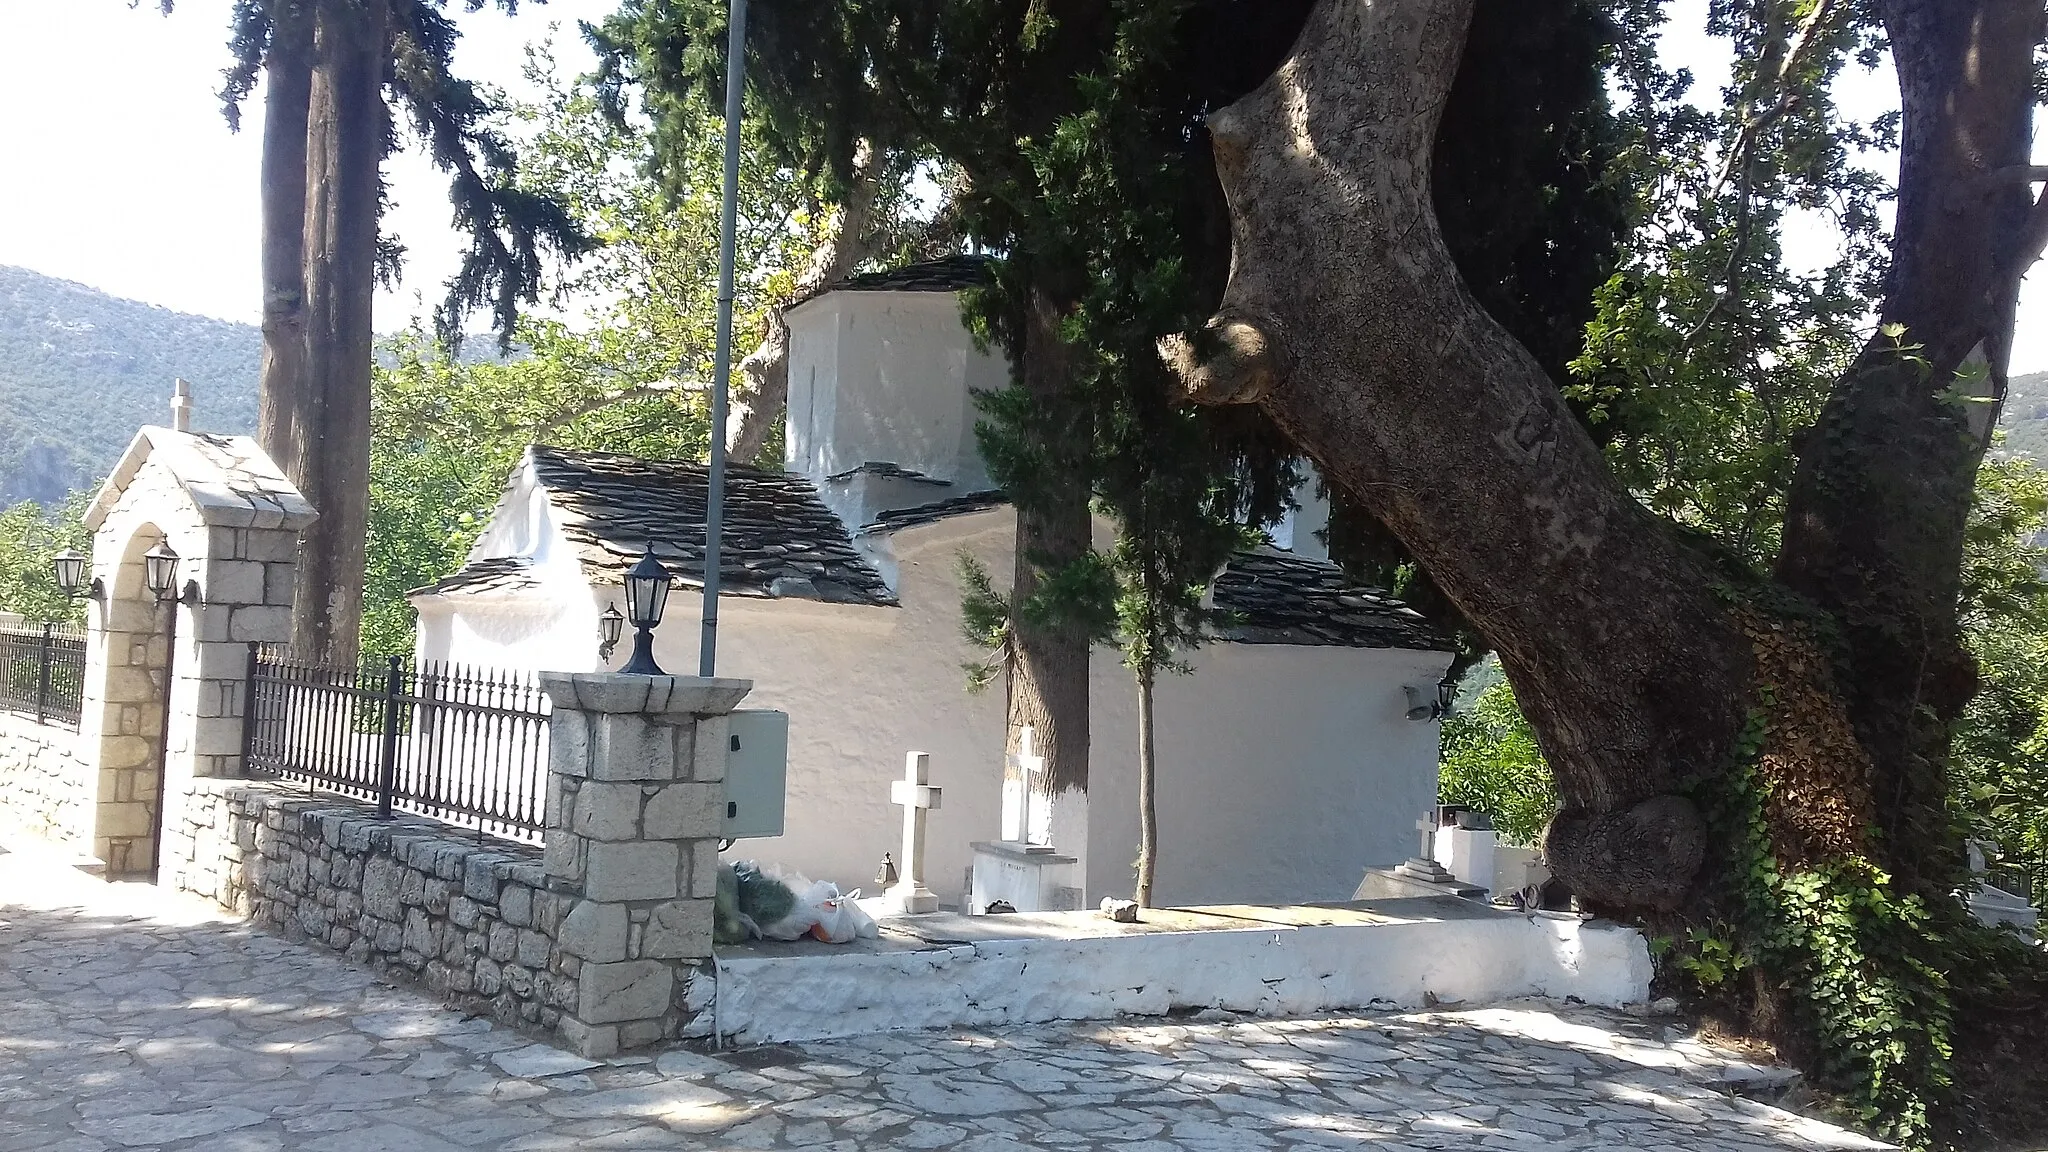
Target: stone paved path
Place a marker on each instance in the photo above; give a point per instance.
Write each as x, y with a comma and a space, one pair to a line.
132, 1019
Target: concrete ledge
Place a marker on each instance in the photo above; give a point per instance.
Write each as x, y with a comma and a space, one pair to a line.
1271, 968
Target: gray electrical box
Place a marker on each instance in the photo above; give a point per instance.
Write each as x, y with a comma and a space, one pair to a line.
756, 773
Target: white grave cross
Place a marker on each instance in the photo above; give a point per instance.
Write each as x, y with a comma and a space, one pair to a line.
918, 797
1024, 821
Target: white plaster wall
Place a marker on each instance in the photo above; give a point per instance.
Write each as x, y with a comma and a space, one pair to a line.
886, 376
1284, 772
1267, 971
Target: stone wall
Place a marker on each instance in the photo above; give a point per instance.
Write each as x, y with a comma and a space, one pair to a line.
419, 900
46, 787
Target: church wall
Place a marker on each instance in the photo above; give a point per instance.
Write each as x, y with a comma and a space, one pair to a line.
885, 376
1284, 771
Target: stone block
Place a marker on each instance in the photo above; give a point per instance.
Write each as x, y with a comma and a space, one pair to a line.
640, 1033
590, 1041
628, 990
632, 747
533, 949
279, 582
564, 856
704, 869
479, 882
594, 931
708, 750
261, 622
568, 746
515, 904
270, 545
504, 942
382, 877
234, 582
678, 930
685, 812
642, 870
607, 811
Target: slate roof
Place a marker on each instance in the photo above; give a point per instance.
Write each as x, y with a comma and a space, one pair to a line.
779, 540
1273, 598
497, 574
951, 274
889, 470
897, 519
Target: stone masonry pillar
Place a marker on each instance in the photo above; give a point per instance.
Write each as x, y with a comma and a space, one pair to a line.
636, 786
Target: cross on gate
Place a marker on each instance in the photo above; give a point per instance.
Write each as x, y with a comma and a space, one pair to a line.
917, 796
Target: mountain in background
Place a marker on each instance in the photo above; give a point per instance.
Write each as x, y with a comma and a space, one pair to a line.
80, 371
2025, 419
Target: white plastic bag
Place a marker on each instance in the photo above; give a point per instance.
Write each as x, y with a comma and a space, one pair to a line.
839, 919
803, 912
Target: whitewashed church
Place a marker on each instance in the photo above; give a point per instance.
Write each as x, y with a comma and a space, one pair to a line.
1288, 763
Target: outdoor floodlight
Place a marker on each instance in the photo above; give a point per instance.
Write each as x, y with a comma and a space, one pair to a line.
160, 570
647, 584
610, 627
70, 566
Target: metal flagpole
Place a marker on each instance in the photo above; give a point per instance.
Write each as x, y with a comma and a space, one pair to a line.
721, 365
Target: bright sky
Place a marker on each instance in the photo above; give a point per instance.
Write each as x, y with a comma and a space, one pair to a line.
121, 174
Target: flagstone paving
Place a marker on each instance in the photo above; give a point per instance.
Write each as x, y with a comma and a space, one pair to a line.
132, 1019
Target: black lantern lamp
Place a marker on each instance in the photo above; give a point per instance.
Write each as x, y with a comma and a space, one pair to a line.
160, 570
647, 584
610, 627
70, 566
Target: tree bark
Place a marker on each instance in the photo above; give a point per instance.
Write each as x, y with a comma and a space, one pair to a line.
285, 416
1874, 529
346, 142
1148, 779
1404, 391
766, 369
1048, 666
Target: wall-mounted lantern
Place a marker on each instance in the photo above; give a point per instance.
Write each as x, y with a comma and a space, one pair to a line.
610, 627
160, 570
70, 568
647, 584
1425, 704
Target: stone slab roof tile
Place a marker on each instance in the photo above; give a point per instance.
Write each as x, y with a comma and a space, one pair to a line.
780, 540
497, 574
950, 274
1273, 598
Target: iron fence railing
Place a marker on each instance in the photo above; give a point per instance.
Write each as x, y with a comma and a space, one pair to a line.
42, 672
466, 745
2010, 879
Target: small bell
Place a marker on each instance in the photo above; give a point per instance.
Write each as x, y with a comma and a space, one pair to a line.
885, 876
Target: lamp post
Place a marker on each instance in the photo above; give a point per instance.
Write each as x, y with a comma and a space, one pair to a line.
721, 362
647, 584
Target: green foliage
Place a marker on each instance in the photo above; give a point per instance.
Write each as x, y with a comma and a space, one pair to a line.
30, 535
1709, 352
1999, 757
984, 621
1491, 763
1867, 967
80, 370
632, 378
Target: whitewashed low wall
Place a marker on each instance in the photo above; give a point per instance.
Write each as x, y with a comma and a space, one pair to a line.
45, 785
1266, 971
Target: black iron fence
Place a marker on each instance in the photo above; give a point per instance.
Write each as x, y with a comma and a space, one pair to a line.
42, 672
466, 745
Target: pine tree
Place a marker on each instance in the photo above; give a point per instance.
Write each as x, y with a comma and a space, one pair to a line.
343, 75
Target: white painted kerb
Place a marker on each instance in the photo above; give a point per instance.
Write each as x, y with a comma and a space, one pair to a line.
1267, 971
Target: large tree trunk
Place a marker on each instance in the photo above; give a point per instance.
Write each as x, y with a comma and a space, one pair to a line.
346, 138
1636, 661
285, 416
1048, 666
1874, 531
1409, 395
766, 369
